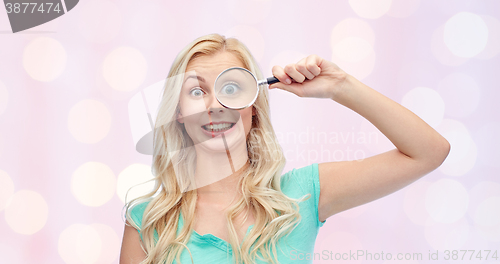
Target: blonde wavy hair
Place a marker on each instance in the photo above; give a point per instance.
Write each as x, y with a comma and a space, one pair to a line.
276, 215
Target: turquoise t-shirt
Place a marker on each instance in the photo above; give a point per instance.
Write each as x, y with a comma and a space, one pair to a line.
208, 248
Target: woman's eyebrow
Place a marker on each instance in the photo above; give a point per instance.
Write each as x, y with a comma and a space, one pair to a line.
199, 78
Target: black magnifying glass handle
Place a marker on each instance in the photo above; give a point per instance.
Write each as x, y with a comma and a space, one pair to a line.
268, 81
272, 80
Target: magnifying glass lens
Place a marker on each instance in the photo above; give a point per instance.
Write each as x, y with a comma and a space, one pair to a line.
236, 88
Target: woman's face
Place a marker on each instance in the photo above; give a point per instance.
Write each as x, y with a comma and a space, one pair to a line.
203, 116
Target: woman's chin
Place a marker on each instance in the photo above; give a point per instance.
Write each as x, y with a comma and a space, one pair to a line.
213, 145
219, 144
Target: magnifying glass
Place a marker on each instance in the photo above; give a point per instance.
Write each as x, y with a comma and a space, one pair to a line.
237, 88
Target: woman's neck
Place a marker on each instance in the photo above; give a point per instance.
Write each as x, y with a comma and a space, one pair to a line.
223, 191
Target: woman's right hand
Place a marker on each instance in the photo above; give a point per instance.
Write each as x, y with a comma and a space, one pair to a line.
312, 76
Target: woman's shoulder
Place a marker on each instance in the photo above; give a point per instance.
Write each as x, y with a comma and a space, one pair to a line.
137, 212
301, 180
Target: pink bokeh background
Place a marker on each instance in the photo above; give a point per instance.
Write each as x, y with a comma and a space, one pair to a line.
67, 150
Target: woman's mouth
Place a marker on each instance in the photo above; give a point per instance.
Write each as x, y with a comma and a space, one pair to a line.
217, 129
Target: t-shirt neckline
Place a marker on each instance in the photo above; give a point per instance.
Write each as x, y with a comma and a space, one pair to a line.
210, 238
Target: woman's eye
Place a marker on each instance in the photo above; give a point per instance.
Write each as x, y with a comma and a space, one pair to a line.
230, 88
196, 92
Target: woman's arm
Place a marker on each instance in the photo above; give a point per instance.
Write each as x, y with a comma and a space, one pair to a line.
419, 148
131, 252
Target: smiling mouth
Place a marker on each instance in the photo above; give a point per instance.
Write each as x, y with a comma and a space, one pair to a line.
218, 127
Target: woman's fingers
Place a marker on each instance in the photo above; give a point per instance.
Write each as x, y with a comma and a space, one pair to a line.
312, 76
292, 71
279, 73
303, 67
306, 69
285, 81
312, 65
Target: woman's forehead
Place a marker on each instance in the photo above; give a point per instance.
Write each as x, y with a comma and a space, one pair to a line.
214, 63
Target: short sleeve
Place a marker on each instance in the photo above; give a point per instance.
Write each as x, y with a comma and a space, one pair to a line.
136, 213
307, 180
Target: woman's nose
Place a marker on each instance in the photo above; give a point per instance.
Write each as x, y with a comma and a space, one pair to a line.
213, 104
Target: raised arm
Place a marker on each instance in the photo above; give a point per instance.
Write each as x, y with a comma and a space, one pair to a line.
346, 184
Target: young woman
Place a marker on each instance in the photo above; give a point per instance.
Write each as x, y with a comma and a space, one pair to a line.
220, 196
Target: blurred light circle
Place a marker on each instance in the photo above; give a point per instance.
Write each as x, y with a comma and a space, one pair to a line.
133, 178
476, 241
493, 46
93, 184
89, 121
4, 98
44, 59
414, 202
370, 8
252, 38
352, 49
480, 192
249, 12
488, 141
88, 245
483, 197
460, 93
463, 152
6, 189
100, 20
465, 34
67, 243
111, 243
488, 212
403, 8
446, 201
360, 69
489, 233
459, 138
124, 69
441, 52
442, 236
426, 103
80, 244
352, 43
27, 212
454, 168
352, 27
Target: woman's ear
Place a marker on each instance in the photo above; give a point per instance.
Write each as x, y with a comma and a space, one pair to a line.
180, 119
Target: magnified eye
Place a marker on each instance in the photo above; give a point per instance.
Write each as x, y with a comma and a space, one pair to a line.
196, 92
230, 88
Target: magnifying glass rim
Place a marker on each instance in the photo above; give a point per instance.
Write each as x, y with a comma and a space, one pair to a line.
256, 83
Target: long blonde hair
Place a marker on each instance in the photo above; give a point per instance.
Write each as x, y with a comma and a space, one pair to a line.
275, 214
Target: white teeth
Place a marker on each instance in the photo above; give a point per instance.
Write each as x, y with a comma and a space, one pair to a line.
218, 127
